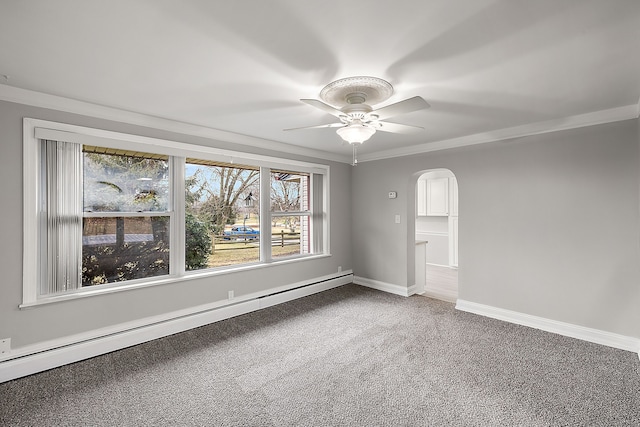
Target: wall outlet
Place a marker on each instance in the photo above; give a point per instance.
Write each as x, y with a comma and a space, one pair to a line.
5, 346
339, 268
397, 219
230, 294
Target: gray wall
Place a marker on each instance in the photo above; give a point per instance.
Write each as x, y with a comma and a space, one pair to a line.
56, 320
549, 224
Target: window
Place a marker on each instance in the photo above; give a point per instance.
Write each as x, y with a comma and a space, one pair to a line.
106, 211
221, 204
107, 216
126, 216
290, 213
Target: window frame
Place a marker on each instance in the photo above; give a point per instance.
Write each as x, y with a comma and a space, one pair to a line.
296, 213
35, 130
168, 212
236, 165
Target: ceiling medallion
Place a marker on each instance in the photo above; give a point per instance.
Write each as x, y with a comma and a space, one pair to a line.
356, 90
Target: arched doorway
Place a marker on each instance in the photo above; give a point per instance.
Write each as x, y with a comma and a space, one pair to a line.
436, 234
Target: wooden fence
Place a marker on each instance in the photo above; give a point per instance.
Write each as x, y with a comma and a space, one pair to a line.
231, 242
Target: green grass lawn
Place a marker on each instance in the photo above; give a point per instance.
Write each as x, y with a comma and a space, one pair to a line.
240, 253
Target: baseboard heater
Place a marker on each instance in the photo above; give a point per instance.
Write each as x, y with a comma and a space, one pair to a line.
52, 354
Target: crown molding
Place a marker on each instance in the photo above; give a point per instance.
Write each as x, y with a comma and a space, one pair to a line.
59, 103
43, 100
582, 120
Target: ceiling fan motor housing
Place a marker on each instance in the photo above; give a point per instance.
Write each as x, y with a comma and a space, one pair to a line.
357, 111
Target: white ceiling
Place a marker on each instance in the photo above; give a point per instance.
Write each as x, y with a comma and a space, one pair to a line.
242, 66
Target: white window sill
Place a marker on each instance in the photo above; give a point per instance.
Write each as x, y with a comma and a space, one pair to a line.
144, 283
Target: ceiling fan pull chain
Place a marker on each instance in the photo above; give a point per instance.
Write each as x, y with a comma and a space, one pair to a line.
355, 150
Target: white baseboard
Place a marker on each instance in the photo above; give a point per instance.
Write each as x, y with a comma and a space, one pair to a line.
37, 358
385, 287
415, 290
566, 329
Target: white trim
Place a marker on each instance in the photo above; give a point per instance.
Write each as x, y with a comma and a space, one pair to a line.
43, 100
177, 242
43, 129
326, 222
566, 329
115, 287
131, 214
280, 214
442, 265
385, 287
265, 209
415, 290
30, 208
582, 120
433, 233
39, 357
402, 291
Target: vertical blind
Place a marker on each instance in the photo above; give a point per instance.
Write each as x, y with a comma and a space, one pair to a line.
63, 178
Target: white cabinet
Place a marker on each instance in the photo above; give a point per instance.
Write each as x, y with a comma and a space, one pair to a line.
437, 205
433, 196
422, 197
438, 197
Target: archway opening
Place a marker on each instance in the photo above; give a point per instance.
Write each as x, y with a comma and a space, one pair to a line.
436, 234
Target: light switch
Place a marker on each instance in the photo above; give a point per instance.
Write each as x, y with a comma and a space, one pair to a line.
393, 194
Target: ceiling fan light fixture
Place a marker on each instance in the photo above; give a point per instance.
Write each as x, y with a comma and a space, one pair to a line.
351, 100
355, 133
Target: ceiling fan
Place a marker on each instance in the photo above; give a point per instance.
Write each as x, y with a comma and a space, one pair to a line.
352, 98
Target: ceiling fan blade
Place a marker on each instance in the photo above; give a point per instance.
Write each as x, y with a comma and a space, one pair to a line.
402, 107
324, 107
330, 125
398, 128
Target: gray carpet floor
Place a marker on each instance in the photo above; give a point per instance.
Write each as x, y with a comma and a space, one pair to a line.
350, 356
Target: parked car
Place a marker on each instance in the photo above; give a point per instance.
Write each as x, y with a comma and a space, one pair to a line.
242, 233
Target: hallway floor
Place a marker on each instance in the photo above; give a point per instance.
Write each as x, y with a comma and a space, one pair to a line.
442, 283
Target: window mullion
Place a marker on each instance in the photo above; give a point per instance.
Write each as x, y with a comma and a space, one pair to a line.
141, 214
265, 214
291, 213
178, 234
319, 223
